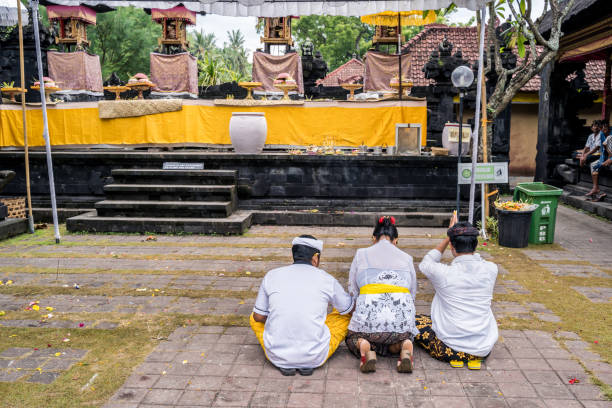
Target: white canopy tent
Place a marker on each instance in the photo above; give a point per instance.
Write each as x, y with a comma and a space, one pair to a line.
280, 8
8, 13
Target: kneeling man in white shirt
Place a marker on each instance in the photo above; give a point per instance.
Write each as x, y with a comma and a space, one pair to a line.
290, 316
462, 327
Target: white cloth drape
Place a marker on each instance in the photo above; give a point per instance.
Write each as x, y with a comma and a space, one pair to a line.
8, 13
276, 8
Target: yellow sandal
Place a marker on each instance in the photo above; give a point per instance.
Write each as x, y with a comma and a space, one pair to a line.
474, 364
456, 363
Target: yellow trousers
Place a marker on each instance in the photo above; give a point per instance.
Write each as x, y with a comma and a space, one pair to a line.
335, 322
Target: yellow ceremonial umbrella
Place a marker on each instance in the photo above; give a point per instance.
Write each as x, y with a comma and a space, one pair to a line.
399, 19
406, 18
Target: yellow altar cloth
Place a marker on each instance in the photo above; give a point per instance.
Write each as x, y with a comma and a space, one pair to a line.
201, 122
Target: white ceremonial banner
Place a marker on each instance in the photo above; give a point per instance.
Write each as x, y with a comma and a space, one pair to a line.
486, 173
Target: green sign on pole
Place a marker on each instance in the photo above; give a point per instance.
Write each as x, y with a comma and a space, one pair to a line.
486, 173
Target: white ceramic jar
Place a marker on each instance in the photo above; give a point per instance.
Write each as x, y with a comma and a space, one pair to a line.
248, 131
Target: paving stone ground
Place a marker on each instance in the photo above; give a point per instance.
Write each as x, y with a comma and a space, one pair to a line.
215, 366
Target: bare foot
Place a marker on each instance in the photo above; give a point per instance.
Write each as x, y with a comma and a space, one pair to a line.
368, 356
405, 363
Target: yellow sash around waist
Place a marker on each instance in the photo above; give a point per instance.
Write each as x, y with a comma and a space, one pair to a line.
377, 288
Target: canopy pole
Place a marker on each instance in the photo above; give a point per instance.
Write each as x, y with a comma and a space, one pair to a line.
23, 115
34, 5
483, 11
399, 50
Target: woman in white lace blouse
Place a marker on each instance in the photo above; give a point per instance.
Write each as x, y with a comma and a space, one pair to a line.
383, 281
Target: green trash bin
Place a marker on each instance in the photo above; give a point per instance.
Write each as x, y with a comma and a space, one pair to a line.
542, 229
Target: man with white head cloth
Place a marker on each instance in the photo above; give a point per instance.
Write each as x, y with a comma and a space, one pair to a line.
290, 316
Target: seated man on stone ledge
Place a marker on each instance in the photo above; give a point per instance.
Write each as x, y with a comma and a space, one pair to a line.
290, 316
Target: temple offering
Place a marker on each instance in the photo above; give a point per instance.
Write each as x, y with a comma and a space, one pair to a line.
249, 86
50, 87
10, 90
139, 78
285, 79
351, 88
285, 83
140, 82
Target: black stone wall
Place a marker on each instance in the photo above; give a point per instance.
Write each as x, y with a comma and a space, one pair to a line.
80, 176
9, 56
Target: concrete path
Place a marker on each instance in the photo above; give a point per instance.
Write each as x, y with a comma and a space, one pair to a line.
217, 366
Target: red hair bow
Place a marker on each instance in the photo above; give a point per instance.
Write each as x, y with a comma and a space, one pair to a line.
392, 219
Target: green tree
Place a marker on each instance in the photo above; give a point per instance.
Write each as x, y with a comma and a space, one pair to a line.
235, 56
123, 39
337, 37
201, 43
441, 18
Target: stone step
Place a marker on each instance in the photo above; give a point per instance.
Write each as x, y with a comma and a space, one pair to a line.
196, 209
170, 192
237, 223
347, 205
350, 219
45, 215
601, 208
160, 176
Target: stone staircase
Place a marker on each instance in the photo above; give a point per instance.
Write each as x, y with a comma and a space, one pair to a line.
167, 201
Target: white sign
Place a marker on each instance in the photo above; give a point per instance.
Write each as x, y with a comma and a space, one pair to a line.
183, 166
486, 173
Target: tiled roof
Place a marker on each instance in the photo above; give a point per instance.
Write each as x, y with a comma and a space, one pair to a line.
466, 38
351, 71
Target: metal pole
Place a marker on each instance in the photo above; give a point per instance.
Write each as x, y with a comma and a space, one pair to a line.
34, 5
483, 228
483, 11
459, 151
399, 51
23, 115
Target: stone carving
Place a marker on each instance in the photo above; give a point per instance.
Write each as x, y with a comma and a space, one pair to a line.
313, 68
440, 95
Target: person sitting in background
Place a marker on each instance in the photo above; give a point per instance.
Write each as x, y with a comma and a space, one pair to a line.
462, 327
383, 280
290, 317
590, 146
605, 151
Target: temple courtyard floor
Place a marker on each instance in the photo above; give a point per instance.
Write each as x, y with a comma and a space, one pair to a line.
159, 321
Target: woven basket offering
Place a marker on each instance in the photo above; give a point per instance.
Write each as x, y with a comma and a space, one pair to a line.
16, 206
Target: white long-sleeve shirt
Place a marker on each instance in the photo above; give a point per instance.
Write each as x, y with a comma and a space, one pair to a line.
383, 263
461, 309
295, 299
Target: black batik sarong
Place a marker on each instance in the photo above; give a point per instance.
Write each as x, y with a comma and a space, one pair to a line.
434, 346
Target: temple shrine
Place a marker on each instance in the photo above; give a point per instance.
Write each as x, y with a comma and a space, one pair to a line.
277, 31
71, 24
174, 24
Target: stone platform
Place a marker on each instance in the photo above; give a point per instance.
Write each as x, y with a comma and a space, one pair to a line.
12, 226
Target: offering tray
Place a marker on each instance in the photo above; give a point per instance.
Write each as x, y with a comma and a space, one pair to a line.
117, 90
12, 92
256, 102
140, 87
48, 91
249, 86
406, 85
351, 88
286, 88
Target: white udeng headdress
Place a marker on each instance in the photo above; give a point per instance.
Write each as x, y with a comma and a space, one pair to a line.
309, 242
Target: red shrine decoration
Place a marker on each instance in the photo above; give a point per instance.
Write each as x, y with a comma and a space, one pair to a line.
72, 22
174, 24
